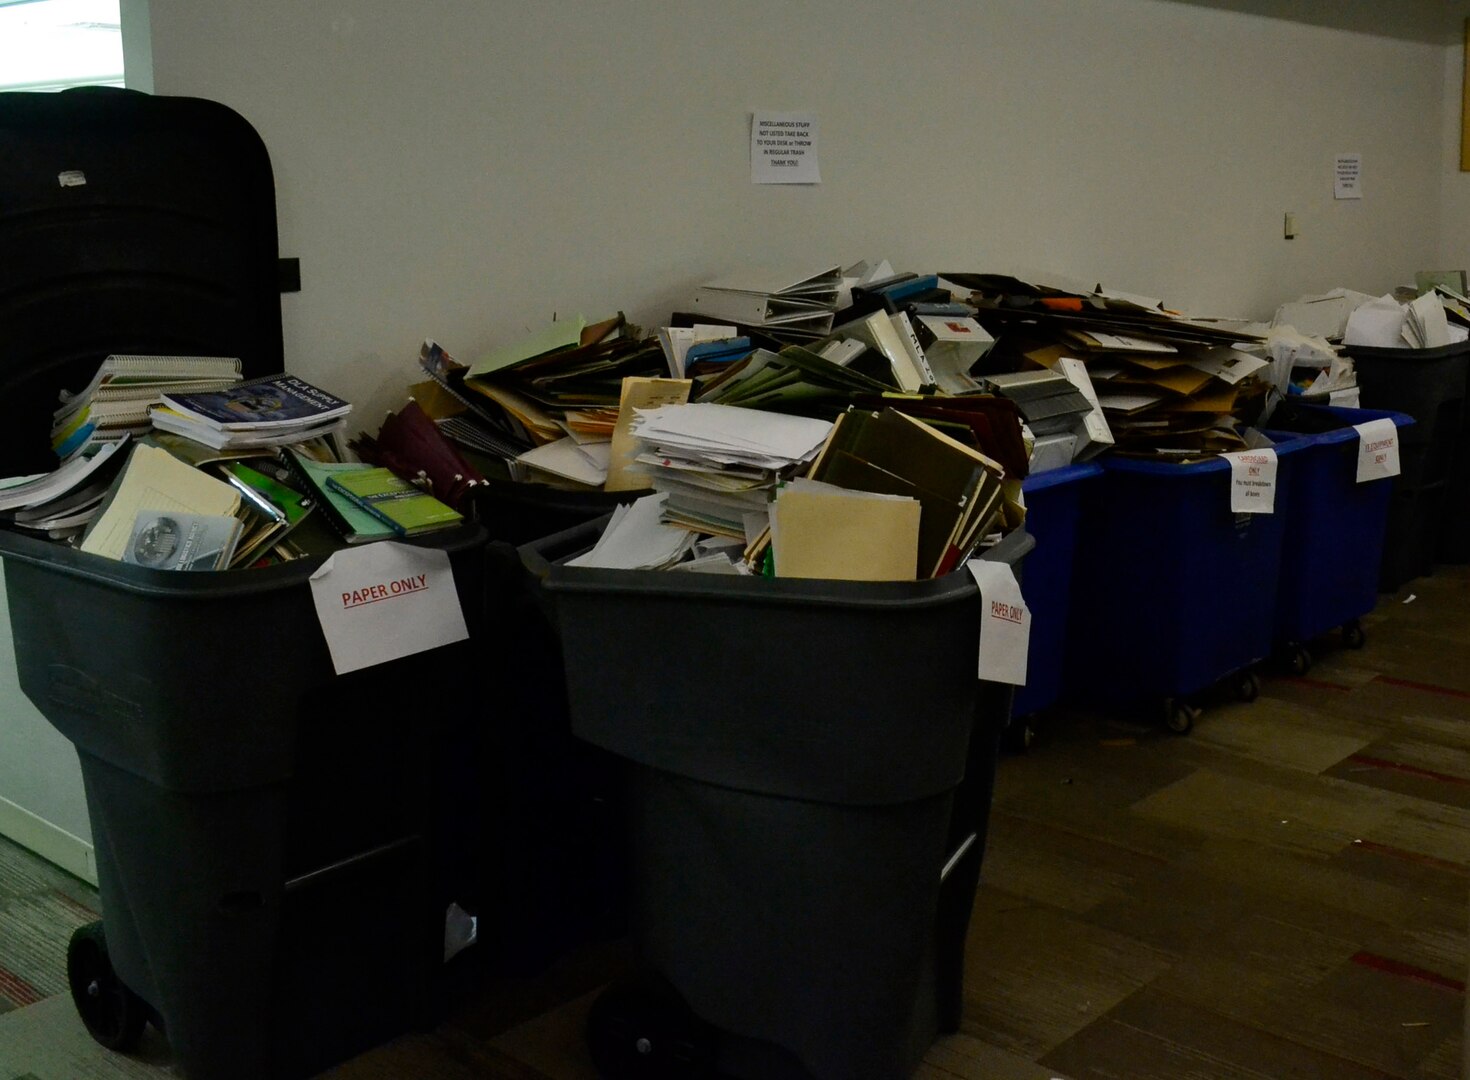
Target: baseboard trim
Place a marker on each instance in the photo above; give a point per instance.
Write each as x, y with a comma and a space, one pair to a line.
51, 842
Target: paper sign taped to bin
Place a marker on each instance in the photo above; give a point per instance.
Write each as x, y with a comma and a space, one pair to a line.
382, 601
1252, 481
1005, 623
1378, 449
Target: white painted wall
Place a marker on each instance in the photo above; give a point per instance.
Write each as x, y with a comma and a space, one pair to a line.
1454, 211
464, 168
39, 773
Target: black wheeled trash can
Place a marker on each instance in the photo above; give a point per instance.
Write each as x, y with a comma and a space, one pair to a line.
808, 778
275, 847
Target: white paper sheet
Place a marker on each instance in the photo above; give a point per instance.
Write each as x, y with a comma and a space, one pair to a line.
783, 148
381, 601
1252, 481
1378, 449
1005, 623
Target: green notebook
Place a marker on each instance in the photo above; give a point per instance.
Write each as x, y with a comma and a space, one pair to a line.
349, 520
406, 509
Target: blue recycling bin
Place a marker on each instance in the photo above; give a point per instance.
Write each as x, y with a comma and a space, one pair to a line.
1174, 592
1335, 530
1053, 514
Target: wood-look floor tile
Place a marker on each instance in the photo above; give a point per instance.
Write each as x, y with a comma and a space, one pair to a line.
963, 1057
1036, 975
1265, 813
1156, 1036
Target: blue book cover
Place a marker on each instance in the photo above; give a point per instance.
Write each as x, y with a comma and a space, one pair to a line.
274, 401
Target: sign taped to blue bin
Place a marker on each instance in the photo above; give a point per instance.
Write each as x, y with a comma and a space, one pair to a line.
1005, 623
1252, 481
1378, 449
382, 601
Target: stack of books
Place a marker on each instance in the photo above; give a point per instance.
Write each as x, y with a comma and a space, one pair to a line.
278, 410
117, 400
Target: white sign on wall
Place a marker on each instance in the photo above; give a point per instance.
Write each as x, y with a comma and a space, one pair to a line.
783, 148
1347, 177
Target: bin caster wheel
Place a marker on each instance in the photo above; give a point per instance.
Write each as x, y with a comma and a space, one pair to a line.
1248, 686
1018, 737
113, 1014
641, 1029
1179, 717
1353, 636
1298, 660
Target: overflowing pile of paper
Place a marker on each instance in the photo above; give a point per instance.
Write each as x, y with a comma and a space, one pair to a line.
1166, 385
717, 464
1437, 317
956, 494
547, 404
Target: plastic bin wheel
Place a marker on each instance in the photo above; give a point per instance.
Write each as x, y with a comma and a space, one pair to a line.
1248, 686
1179, 717
1352, 634
1297, 659
113, 1014
640, 1029
1019, 735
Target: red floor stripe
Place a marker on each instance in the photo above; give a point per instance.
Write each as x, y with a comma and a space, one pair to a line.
1410, 770
17, 989
1315, 684
1430, 688
1408, 971
1410, 856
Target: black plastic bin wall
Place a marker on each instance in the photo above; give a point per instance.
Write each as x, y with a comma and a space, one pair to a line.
1430, 386
554, 867
1334, 530
523, 513
270, 838
130, 224
802, 774
1172, 591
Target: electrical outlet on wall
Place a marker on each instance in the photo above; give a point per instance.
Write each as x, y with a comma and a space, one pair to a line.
1289, 226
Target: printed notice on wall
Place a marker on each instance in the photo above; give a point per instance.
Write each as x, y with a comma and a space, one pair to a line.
1378, 449
1005, 623
783, 148
385, 600
1252, 481
1347, 177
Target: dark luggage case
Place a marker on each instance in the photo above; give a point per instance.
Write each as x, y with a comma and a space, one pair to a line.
270, 837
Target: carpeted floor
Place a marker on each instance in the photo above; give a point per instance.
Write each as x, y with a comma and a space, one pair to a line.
40, 906
1281, 894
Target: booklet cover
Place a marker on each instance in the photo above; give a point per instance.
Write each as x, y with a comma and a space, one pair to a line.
407, 509
168, 540
272, 402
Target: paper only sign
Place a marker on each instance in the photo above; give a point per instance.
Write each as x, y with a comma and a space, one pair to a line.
1005, 623
382, 601
1252, 481
1378, 449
